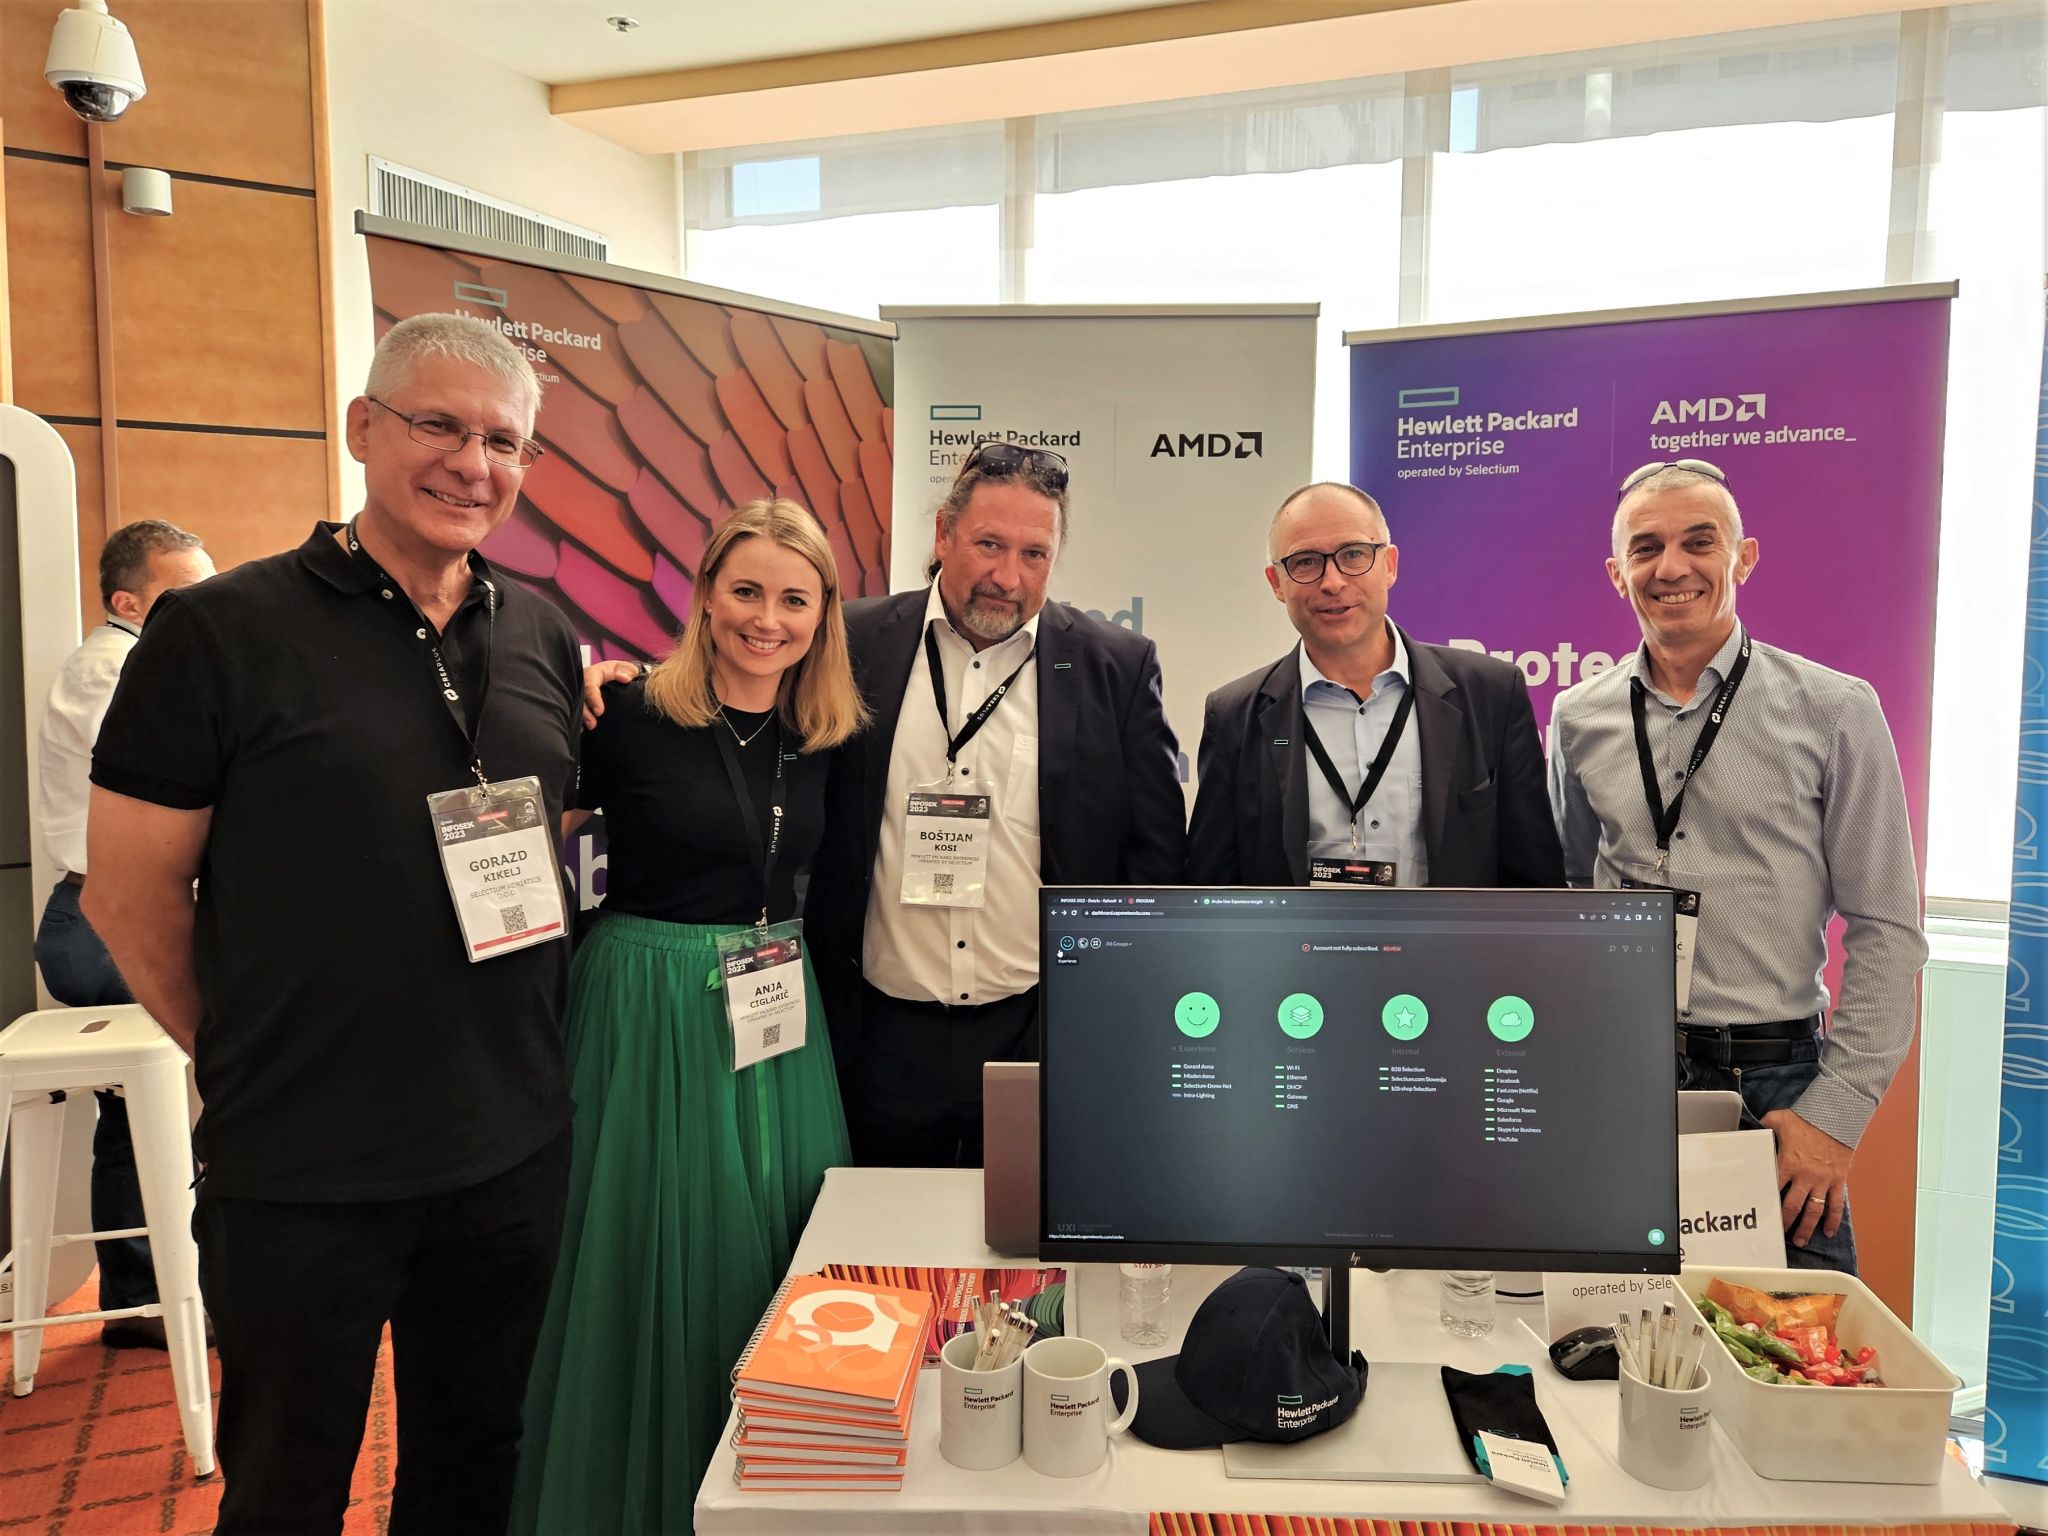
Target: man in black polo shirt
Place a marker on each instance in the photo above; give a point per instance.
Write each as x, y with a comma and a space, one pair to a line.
376, 1028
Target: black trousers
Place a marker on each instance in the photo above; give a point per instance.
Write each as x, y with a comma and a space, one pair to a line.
916, 1087
299, 1295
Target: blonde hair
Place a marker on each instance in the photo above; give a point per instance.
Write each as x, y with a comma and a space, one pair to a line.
817, 696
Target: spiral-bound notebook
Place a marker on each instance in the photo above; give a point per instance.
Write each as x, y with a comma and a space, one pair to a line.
839, 1344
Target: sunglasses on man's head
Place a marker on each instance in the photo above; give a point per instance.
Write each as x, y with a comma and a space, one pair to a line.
997, 459
1713, 472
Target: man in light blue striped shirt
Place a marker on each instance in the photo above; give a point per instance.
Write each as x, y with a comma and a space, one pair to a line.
1767, 786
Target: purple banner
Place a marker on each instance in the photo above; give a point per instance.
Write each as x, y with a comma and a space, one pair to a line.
1496, 456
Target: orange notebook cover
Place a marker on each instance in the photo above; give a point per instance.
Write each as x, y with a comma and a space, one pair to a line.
803, 1451
883, 1415
782, 1421
837, 1343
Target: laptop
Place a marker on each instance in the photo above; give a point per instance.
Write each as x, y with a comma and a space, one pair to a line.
1009, 1152
1709, 1109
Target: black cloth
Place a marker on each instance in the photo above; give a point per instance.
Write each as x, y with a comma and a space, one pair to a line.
299, 1294
915, 1100
1501, 1402
1110, 804
347, 1047
1485, 807
677, 847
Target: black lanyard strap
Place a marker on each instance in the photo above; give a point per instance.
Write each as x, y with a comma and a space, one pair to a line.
1665, 818
765, 858
472, 724
979, 718
1380, 764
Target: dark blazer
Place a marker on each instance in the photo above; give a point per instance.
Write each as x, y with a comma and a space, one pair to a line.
1111, 809
1485, 806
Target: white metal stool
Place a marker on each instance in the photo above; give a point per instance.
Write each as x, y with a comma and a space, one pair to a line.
62, 1050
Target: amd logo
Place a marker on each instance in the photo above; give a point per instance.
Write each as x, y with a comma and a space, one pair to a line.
1713, 408
1209, 445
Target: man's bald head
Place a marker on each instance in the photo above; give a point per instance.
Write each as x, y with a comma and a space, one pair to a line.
1322, 493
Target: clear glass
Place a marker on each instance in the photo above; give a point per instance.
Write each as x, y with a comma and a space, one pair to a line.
1141, 1296
1465, 1305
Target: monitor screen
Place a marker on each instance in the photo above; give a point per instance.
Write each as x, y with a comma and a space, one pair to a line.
1404, 1077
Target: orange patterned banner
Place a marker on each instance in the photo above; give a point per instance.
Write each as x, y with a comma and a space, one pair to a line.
1324, 1525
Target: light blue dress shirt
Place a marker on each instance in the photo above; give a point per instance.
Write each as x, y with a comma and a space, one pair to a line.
1352, 732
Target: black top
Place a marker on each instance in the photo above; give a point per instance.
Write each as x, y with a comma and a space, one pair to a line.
677, 847
348, 1049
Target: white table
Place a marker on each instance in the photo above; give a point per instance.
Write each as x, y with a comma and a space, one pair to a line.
921, 1217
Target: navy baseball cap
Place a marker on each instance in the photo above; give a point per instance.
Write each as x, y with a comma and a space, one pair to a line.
1256, 1366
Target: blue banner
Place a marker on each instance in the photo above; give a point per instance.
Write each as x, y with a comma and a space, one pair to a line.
2016, 1399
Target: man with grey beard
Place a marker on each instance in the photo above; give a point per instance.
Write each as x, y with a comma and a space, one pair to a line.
1015, 742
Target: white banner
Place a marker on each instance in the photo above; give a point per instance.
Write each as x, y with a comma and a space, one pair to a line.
1183, 428
1728, 1200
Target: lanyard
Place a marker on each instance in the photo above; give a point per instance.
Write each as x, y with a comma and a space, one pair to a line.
472, 727
1666, 819
979, 718
764, 857
1378, 769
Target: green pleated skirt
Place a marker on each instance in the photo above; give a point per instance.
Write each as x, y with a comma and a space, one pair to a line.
689, 1188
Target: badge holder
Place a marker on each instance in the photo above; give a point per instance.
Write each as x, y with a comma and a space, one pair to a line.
763, 973
500, 862
946, 847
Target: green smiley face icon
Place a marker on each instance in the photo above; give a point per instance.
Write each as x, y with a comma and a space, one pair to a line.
1197, 1015
1300, 1015
1510, 1019
1404, 1016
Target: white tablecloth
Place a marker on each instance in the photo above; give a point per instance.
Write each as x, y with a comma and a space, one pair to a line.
921, 1217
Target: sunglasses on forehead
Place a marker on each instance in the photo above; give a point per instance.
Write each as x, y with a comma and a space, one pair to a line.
1696, 466
998, 459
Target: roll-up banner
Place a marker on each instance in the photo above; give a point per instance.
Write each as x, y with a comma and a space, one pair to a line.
1497, 449
2016, 1391
664, 404
1183, 428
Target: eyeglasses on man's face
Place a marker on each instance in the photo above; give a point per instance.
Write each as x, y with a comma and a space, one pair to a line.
1713, 472
999, 459
1306, 565
444, 434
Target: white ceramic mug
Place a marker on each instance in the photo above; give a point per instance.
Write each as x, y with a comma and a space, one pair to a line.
981, 1413
1666, 1436
1066, 1415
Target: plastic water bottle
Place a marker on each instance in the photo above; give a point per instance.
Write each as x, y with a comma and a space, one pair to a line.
1141, 1293
1465, 1305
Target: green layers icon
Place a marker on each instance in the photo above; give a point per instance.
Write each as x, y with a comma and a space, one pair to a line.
1197, 1015
1404, 1016
1510, 1019
1300, 1015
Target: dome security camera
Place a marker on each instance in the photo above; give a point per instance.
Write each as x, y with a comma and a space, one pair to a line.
92, 61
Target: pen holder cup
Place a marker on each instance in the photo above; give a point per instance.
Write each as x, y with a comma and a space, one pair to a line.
981, 1413
1666, 1438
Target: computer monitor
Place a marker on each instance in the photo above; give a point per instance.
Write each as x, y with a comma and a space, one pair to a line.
1347, 1075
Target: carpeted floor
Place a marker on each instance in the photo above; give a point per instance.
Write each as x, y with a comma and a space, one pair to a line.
96, 1449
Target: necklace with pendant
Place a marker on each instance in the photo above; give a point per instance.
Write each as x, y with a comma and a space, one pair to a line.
736, 736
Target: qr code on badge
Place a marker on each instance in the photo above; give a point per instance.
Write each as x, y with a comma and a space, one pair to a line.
515, 919
942, 885
771, 1036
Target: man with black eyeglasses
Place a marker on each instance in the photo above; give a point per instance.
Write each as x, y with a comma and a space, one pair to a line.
1015, 741
1765, 790
1364, 756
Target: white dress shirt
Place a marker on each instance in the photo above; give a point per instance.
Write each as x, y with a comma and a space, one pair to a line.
960, 955
71, 724
1352, 732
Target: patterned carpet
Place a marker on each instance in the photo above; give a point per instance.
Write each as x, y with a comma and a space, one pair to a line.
96, 1450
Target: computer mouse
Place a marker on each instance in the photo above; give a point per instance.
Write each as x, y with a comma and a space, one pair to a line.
1587, 1354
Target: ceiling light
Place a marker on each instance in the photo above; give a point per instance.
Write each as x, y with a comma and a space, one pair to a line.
621, 23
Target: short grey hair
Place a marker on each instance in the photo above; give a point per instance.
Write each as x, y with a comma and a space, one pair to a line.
1672, 478
1340, 486
459, 337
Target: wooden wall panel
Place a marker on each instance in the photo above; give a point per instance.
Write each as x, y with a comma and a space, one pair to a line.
217, 311
49, 274
230, 90
36, 115
245, 496
84, 443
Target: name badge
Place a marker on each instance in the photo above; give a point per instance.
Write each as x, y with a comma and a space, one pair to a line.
1352, 871
498, 853
945, 849
1688, 928
763, 972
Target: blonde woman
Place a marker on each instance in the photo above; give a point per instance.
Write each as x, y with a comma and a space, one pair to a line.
692, 1178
